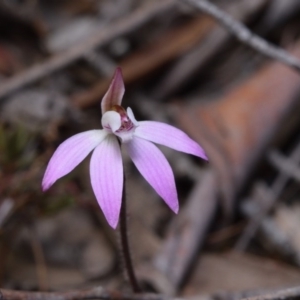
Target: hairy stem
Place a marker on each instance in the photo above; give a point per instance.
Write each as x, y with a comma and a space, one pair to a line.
125, 244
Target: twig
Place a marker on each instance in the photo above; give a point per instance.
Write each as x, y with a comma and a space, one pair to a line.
59, 61
272, 195
165, 48
188, 231
100, 62
183, 70
101, 293
285, 165
6, 207
94, 293
243, 34
279, 295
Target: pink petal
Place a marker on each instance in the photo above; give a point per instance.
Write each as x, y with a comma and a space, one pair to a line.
106, 170
169, 136
131, 116
70, 153
114, 93
152, 164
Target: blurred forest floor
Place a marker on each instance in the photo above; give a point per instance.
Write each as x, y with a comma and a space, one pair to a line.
237, 231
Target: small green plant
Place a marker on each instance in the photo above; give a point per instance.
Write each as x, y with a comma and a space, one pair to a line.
17, 149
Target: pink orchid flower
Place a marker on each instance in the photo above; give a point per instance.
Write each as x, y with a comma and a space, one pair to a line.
106, 167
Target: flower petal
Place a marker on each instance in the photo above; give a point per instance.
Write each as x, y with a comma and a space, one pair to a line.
114, 93
107, 178
70, 153
132, 117
155, 168
169, 136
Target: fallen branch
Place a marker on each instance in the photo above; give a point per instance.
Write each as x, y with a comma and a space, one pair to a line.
103, 294
94, 293
61, 60
286, 167
165, 48
185, 68
278, 295
243, 34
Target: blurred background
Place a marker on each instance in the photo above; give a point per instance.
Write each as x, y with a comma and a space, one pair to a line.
237, 232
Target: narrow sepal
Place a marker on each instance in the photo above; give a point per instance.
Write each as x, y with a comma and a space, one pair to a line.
106, 170
169, 136
70, 153
114, 93
155, 168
